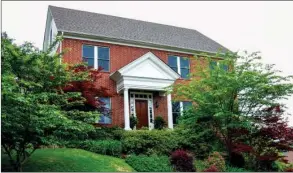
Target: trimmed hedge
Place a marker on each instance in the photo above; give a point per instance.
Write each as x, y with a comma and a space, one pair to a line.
143, 163
148, 142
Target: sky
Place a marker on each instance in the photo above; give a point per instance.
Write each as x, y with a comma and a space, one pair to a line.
245, 25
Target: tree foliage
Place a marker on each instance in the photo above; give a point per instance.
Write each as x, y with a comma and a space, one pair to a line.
230, 100
35, 104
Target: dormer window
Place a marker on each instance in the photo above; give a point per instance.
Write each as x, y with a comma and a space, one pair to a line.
180, 64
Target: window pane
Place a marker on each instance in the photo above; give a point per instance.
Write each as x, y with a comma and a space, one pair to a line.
185, 73
174, 68
175, 117
213, 64
187, 105
172, 62
184, 62
103, 53
89, 61
87, 51
104, 64
176, 107
106, 101
224, 67
105, 117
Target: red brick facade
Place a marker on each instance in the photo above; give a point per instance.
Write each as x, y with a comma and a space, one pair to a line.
119, 57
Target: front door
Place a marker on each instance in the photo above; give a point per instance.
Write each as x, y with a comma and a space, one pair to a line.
141, 107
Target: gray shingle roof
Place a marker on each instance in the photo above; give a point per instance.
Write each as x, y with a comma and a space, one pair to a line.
75, 21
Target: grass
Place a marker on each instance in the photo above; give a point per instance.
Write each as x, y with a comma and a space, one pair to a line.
72, 160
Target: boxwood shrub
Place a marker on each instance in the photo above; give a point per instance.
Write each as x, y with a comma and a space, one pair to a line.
143, 163
160, 142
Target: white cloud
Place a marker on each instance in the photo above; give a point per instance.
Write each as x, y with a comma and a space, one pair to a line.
254, 26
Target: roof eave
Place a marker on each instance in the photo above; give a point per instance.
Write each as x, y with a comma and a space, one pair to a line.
138, 43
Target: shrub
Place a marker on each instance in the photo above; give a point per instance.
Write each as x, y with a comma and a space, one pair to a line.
215, 159
106, 147
143, 163
133, 121
200, 165
182, 161
282, 165
237, 160
74, 144
160, 123
212, 168
235, 169
288, 170
102, 133
196, 139
148, 142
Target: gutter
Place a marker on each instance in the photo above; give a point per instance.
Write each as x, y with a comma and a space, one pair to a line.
83, 36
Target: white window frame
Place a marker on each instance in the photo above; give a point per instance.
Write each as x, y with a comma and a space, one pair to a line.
179, 65
96, 55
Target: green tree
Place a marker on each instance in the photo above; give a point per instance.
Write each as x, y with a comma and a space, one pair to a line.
231, 92
34, 105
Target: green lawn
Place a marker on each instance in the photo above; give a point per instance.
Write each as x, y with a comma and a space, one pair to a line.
72, 160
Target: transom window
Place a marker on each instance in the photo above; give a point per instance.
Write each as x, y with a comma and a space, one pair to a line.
178, 108
180, 64
105, 117
96, 56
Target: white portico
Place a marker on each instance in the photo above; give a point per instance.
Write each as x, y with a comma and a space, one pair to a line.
147, 73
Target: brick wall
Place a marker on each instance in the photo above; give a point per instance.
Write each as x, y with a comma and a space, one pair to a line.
119, 57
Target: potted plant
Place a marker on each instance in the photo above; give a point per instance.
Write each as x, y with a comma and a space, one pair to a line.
160, 123
133, 121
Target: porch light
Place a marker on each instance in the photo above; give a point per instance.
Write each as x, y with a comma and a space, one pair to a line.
156, 104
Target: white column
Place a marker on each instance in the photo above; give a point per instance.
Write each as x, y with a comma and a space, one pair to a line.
126, 110
170, 116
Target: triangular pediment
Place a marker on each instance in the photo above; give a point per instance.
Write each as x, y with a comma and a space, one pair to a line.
147, 66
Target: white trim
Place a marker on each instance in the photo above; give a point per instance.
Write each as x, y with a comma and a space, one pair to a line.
181, 108
170, 113
126, 110
132, 76
133, 45
155, 59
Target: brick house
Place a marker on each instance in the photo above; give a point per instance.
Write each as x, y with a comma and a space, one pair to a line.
139, 60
